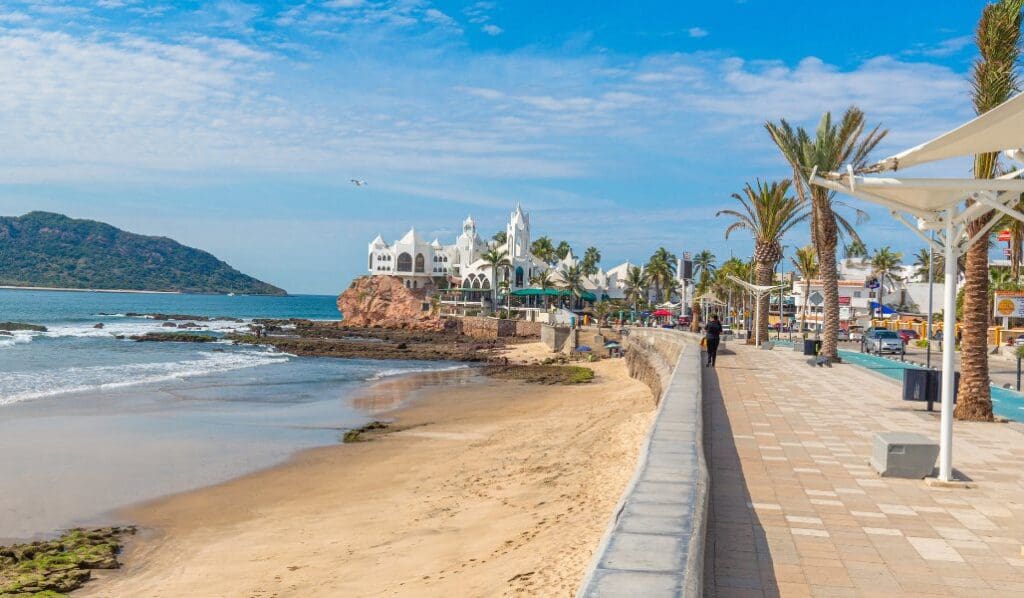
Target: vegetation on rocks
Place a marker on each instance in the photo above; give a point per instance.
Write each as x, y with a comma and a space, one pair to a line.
542, 374
49, 569
51, 250
174, 337
12, 326
359, 434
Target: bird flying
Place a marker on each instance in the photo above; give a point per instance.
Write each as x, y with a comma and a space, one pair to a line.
358, 182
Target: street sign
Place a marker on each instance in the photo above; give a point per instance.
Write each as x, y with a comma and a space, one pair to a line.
815, 298
1004, 235
1006, 252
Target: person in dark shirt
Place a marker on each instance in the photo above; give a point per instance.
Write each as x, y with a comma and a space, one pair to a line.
713, 333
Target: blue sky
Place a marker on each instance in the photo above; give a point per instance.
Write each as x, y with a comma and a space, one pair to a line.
236, 126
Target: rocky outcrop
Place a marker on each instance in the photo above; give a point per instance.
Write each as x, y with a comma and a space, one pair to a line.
55, 567
385, 302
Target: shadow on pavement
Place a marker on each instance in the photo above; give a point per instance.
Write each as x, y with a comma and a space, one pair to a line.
737, 559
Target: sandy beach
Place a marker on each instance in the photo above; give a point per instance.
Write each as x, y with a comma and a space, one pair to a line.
487, 488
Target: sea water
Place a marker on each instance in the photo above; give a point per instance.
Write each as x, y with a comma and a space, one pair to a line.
90, 422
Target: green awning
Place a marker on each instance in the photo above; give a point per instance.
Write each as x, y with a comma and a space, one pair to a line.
587, 295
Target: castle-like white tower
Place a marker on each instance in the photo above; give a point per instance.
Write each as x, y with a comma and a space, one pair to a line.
517, 234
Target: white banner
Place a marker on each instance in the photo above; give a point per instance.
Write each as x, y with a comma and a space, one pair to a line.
1009, 306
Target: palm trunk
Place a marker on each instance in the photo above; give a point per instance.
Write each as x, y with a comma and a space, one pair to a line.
764, 272
803, 318
974, 402
826, 245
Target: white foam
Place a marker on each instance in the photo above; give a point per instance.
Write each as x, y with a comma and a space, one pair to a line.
400, 371
23, 386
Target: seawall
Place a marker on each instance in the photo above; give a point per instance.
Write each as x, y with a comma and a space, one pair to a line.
654, 544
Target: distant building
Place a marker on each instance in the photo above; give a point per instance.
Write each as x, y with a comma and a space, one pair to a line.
433, 265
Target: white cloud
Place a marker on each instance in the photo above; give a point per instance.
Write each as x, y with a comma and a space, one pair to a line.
947, 47
14, 17
697, 32
492, 29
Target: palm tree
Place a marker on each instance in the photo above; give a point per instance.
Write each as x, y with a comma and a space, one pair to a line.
855, 249
886, 264
500, 238
636, 286
562, 250
1002, 279
591, 258
543, 281
833, 147
994, 80
543, 249
923, 263
806, 263
661, 270
572, 280
496, 259
768, 214
703, 269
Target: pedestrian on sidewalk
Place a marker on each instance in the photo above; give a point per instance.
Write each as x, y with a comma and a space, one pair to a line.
712, 334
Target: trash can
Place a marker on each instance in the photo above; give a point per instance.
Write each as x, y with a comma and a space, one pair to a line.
811, 346
916, 385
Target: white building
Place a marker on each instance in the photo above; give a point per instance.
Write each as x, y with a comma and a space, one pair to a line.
433, 265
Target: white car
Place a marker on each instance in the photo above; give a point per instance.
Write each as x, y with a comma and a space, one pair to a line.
883, 341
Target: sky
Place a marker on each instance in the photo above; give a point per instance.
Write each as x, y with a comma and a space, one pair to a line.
236, 126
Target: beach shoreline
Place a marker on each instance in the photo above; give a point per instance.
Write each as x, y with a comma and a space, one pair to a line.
480, 487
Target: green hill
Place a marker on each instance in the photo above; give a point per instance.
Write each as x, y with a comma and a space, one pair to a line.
42, 249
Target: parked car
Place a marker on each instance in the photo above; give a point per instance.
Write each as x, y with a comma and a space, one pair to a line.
843, 335
881, 341
907, 335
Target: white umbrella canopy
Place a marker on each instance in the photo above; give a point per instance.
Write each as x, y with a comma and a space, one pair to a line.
1001, 128
920, 197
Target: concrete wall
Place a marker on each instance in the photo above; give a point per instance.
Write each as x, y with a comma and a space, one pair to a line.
492, 328
654, 545
558, 338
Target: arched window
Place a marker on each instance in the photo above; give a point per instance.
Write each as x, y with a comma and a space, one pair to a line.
476, 283
519, 276
419, 262
371, 262
486, 284
404, 262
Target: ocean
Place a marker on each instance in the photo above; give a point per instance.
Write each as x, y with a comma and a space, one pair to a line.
90, 423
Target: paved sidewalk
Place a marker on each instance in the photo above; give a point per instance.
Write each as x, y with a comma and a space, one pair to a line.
797, 511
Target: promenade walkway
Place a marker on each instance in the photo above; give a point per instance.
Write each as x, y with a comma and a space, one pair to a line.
796, 510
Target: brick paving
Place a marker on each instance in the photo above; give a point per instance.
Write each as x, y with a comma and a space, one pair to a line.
797, 511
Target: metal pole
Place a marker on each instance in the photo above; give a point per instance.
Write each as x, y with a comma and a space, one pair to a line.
931, 287
757, 321
1018, 370
782, 277
948, 352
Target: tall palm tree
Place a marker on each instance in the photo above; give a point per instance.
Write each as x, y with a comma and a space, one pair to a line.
591, 258
833, 146
768, 213
806, 263
543, 281
636, 286
500, 238
496, 259
703, 269
994, 80
562, 250
726, 288
1002, 279
885, 264
543, 249
661, 270
572, 281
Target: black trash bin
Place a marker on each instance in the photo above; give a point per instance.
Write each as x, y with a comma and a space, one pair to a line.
926, 386
811, 346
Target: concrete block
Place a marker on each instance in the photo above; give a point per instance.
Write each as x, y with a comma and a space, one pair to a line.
617, 584
903, 455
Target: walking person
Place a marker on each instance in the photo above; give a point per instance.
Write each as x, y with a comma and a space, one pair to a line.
713, 333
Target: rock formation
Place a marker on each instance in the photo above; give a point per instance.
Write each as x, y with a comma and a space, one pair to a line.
384, 302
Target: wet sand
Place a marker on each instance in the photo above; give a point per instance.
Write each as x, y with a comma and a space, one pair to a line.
489, 488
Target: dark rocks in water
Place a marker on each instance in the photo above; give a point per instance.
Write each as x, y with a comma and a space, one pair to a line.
22, 326
99, 326
190, 325
183, 317
119, 337
174, 337
56, 567
169, 325
358, 434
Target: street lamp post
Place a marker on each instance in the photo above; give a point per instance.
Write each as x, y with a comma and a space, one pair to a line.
931, 286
